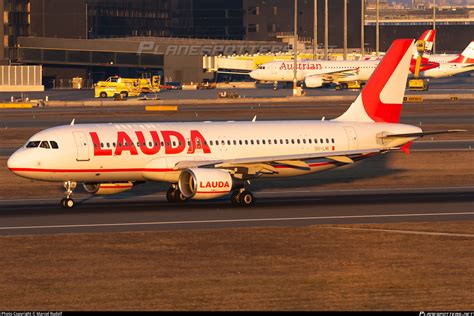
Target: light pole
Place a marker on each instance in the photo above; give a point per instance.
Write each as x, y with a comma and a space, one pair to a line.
345, 29
315, 30
434, 24
377, 47
326, 36
362, 29
295, 49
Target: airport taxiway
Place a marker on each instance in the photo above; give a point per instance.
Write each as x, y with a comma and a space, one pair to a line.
283, 207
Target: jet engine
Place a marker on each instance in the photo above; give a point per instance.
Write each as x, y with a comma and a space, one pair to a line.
107, 188
313, 81
205, 184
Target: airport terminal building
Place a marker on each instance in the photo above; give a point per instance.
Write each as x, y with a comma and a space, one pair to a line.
94, 39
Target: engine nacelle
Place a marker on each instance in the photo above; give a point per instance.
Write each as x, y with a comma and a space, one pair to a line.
205, 184
107, 188
313, 81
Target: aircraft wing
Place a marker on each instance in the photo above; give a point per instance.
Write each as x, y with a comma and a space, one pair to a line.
267, 163
336, 75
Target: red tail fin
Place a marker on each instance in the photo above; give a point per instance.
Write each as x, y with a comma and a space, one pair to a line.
382, 97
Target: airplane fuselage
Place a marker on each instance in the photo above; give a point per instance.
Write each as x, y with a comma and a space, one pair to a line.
150, 151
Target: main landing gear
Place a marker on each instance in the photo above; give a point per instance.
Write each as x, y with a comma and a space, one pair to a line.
67, 202
174, 195
242, 198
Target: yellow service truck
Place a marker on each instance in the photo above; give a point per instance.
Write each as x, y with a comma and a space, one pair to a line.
126, 87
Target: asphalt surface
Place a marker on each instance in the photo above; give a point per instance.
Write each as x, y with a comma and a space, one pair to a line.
277, 207
456, 85
280, 208
445, 113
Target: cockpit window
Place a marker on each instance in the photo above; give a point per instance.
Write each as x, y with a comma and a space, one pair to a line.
44, 144
33, 144
54, 145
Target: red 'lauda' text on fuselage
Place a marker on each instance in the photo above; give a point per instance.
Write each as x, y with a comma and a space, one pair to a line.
174, 143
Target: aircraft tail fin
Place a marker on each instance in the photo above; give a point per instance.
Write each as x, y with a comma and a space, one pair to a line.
381, 98
467, 56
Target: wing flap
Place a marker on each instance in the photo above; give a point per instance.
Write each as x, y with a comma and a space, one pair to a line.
291, 160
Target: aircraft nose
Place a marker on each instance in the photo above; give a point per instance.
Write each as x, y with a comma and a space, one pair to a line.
16, 161
254, 74
12, 162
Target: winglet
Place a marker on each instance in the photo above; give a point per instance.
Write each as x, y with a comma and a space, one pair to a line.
73, 121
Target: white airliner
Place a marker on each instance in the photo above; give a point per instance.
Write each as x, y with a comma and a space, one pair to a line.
316, 73
212, 159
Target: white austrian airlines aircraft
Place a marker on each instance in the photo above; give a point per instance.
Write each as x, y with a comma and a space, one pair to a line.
316, 73
210, 160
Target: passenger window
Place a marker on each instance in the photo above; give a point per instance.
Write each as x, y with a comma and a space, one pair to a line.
228, 142
44, 144
210, 142
310, 141
54, 145
315, 140
327, 140
108, 145
246, 142
263, 141
235, 142
281, 141
151, 144
332, 140
240, 142
321, 141
292, 141
251, 141
258, 142
222, 142
33, 144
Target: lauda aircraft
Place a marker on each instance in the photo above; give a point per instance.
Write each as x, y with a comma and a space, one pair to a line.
212, 159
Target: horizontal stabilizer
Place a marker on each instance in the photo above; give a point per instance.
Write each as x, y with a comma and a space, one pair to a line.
421, 134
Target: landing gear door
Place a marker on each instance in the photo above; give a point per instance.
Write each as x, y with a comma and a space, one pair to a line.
81, 146
351, 138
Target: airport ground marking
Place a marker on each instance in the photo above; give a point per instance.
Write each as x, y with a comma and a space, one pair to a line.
224, 221
401, 231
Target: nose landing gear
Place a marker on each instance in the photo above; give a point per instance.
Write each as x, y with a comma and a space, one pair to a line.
174, 195
67, 202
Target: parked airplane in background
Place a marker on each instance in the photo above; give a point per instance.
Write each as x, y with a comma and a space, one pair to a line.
316, 73
213, 159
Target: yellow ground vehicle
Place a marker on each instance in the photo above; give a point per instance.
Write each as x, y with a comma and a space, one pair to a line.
356, 84
418, 84
126, 87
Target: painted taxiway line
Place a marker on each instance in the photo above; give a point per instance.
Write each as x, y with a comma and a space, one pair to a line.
243, 220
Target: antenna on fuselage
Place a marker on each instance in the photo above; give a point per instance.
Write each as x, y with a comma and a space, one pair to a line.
72, 122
